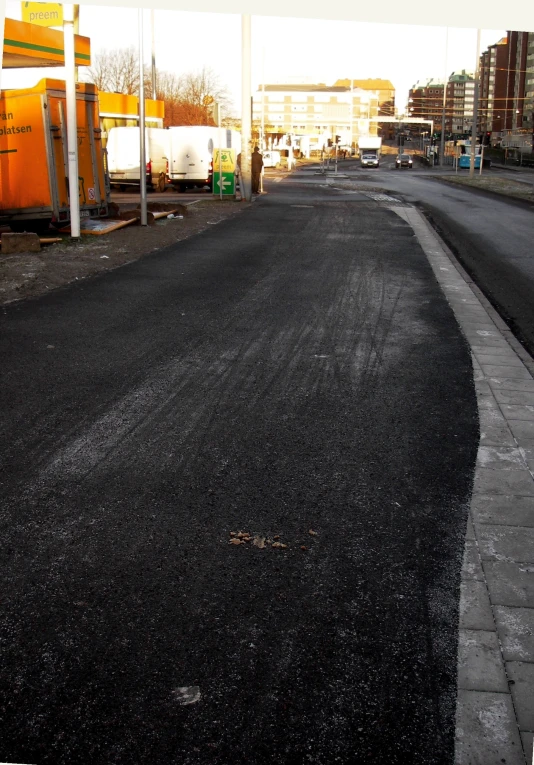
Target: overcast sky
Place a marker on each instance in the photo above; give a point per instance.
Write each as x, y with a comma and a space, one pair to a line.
310, 50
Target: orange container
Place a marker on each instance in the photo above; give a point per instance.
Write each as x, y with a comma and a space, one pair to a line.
34, 186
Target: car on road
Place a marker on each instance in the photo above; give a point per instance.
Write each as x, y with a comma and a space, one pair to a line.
403, 160
369, 160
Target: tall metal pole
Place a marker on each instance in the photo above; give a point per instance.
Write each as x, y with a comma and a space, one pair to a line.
442, 142
351, 114
262, 144
72, 127
142, 148
246, 121
76, 32
475, 110
153, 54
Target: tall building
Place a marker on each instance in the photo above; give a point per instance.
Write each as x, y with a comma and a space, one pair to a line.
319, 112
425, 100
494, 95
384, 89
459, 103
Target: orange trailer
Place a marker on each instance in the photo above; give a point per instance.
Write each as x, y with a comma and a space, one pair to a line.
34, 185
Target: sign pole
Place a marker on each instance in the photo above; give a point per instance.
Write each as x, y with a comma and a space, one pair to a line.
72, 127
220, 155
142, 148
246, 122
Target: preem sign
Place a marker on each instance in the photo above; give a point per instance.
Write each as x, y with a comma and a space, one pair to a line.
43, 14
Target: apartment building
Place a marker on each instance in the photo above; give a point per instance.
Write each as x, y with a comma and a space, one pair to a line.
318, 111
425, 100
384, 89
494, 94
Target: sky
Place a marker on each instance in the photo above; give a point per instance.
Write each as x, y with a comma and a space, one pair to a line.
284, 50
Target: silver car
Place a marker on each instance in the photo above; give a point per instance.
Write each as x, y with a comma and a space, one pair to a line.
369, 160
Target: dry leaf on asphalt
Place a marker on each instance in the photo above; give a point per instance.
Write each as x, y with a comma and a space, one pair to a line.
236, 542
312, 533
259, 542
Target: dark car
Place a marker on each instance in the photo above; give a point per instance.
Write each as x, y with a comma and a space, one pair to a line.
403, 160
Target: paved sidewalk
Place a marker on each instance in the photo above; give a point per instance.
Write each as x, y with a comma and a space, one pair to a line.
495, 703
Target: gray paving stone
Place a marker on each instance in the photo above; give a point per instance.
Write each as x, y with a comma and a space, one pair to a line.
515, 627
482, 388
512, 543
518, 412
475, 608
503, 510
492, 419
480, 667
506, 371
500, 349
504, 458
486, 730
496, 436
487, 401
522, 398
498, 481
504, 359
522, 430
470, 531
522, 673
510, 583
472, 565
504, 383
527, 739
528, 455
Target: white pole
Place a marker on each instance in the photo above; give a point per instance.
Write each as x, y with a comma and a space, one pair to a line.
262, 112
442, 142
351, 115
153, 54
246, 122
142, 148
72, 127
475, 110
219, 110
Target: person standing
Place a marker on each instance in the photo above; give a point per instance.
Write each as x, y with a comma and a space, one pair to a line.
256, 165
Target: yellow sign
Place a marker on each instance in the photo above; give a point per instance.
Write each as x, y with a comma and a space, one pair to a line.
227, 160
43, 14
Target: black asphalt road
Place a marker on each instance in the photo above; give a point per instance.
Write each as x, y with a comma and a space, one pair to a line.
294, 369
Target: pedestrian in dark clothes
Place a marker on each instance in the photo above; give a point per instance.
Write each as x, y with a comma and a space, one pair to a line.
256, 167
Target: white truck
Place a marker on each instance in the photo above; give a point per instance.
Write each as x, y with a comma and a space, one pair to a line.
191, 154
369, 149
123, 157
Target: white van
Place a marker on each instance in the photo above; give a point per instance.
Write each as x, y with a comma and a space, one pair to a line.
123, 157
191, 154
272, 159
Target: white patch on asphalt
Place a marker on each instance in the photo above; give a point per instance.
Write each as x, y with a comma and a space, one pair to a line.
381, 197
187, 694
302, 206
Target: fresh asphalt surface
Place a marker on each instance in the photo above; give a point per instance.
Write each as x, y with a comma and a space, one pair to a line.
294, 369
492, 237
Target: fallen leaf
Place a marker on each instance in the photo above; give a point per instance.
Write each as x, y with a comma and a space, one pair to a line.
259, 542
303, 547
233, 533
312, 533
276, 536
276, 544
236, 542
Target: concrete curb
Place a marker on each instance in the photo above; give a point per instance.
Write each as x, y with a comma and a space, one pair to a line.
495, 699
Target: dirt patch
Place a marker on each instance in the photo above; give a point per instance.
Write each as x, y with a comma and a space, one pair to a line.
28, 275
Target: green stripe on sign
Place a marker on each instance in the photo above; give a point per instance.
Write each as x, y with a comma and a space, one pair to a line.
8, 151
42, 48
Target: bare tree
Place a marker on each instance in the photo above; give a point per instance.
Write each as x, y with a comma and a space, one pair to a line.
116, 71
187, 98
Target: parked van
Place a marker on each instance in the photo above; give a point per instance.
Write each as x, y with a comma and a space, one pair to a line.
191, 154
123, 157
272, 159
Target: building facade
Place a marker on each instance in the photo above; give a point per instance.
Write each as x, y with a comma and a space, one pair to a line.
318, 112
383, 88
